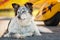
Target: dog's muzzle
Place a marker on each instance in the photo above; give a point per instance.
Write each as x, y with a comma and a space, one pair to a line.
22, 17
19, 17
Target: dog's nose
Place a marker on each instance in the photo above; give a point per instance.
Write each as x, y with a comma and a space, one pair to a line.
19, 17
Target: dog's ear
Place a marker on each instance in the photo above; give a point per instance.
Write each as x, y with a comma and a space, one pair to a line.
29, 6
15, 6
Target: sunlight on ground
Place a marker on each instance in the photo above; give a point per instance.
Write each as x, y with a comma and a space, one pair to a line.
3, 26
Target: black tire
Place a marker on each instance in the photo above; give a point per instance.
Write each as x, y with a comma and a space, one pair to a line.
54, 21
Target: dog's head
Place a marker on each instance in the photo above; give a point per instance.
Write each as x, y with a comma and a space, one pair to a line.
24, 11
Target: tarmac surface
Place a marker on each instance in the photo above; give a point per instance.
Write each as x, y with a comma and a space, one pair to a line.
45, 36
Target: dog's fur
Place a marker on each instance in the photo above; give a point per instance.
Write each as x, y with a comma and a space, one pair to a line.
23, 24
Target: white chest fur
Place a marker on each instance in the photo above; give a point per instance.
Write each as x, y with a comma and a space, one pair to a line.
20, 26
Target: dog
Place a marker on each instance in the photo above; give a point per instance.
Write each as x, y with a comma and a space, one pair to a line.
22, 25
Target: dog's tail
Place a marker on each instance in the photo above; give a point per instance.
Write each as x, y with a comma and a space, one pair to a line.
45, 30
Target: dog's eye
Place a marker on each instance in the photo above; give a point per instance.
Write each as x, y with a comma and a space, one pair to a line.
18, 12
23, 12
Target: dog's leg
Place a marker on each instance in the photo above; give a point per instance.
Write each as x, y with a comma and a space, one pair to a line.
17, 35
14, 35
7, 35
37, 31
26, 35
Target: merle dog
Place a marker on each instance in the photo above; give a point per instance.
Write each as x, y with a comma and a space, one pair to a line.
22, 25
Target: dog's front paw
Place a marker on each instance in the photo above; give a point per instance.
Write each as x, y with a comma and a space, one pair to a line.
16, 36
7, 35
19, 36
22, 36
38, 34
